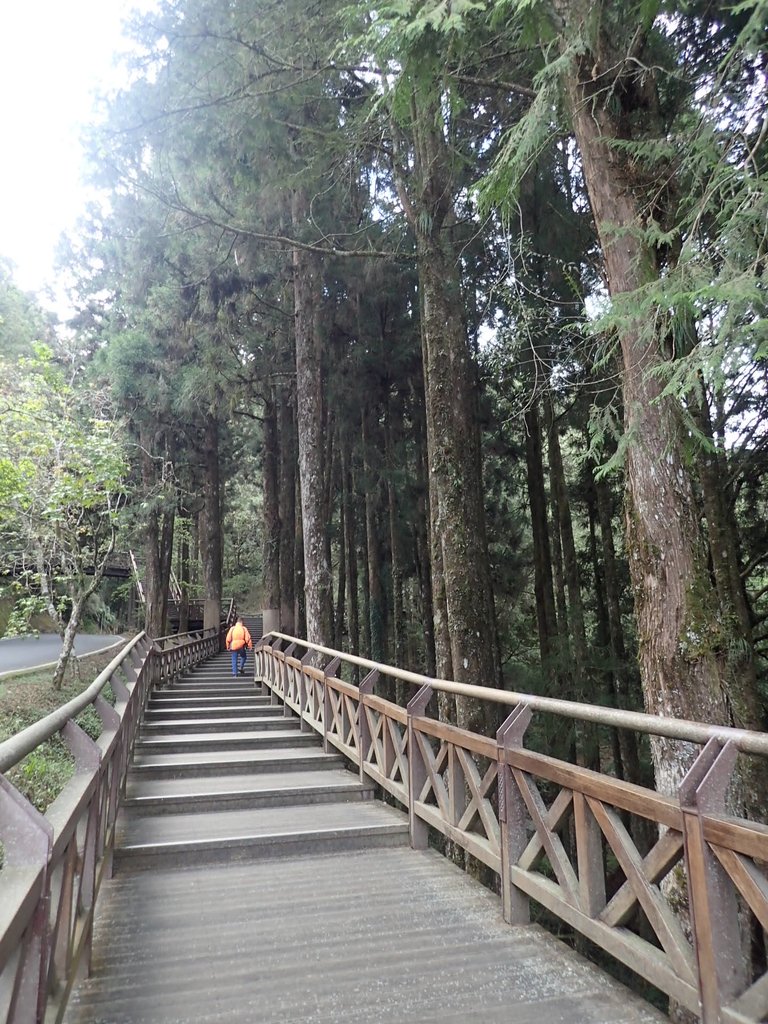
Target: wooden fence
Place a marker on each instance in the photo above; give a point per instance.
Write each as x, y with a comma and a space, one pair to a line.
54, 863
563, 836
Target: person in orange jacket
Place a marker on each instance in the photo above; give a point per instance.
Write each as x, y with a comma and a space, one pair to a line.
238, 641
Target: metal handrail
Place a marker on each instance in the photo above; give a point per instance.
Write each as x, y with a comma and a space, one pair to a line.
22, 743
673, 728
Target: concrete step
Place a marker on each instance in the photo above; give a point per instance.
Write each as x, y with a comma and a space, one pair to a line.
170, 699
212, 671
213, 709
228, 792
222, 672
208, 763
223, 690
221, 723
187, 743
149, 841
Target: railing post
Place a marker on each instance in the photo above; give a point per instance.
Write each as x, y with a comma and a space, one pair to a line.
286, 671
302, 688
27, 839
417, 772
110, 720
87, 755
329, 673
274, 670
712, 897
363, 729
512, 815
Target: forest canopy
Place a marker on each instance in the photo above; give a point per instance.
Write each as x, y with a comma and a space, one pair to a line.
438, 329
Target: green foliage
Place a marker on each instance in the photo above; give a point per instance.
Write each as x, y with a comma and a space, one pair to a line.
42, 775
62, 471
208, 146
61, 462
25, 607
24, 700
524, 143
416, 17
22, 322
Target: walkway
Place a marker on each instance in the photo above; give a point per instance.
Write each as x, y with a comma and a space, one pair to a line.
257, 881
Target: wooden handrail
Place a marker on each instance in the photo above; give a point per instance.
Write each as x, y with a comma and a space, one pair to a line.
674, 728
45, 939
592, 849
23, 743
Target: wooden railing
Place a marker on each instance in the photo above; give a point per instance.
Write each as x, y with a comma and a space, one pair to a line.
181, 651
557, 833
54, 863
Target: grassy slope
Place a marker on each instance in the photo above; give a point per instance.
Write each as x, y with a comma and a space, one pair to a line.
25, 699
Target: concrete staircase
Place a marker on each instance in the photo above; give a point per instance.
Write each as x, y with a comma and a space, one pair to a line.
249, 915
220, 774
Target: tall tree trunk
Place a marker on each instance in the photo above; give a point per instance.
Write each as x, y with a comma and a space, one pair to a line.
546, 616
446, 702
184, 583
158, 544
398, 617
211, 536
713, 472
628, 691
153, 581
450, 381
587, 749
287, 513
683, 668
684, 640
455, 475
609, 694
350, 543
271, 516
376, 595
423, 535
339, 617
307, 286
300, 613
564, 526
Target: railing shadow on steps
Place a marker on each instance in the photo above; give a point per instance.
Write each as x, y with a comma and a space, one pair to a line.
54, 863
557, 833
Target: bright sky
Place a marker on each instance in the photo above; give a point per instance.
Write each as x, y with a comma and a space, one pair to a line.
53, 55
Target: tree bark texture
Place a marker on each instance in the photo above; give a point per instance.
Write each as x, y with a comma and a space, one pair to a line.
211, 539
271, 519
461, 569
423, 534
350, 543
307, 286
455, 476
158, 545
683, 642
287, 511
398, 615
587, 748
377, 610
546, 616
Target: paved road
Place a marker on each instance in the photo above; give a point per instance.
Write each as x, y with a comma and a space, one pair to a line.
32, 651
